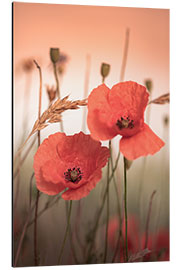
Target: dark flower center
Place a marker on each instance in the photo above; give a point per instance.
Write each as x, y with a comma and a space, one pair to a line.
73, 175
125, 123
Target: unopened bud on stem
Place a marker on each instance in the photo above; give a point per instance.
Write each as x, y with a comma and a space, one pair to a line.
149, 85
105, 68
54, 54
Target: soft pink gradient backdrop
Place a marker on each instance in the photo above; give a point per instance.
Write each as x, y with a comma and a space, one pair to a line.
100, 32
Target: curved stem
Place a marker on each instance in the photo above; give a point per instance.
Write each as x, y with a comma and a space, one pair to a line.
107, 213
25, 225
66, 233
38, 193
148, 219
125, 209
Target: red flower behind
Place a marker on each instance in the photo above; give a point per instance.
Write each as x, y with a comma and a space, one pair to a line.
133, 235
159, 246
72, 162
120, 111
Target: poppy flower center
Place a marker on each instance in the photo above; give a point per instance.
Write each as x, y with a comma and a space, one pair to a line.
125, 123
73, 175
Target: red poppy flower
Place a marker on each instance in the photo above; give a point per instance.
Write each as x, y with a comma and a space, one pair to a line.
133, 235
69, 162
120, 111
159, 246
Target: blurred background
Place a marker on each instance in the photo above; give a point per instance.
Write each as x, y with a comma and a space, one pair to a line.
86, 37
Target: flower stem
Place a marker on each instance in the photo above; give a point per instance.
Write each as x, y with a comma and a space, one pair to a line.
38, 193
71, 235
119, 209
58, 91
148, 219
107, 213
25, 225
66, 233
125, 209
100, 211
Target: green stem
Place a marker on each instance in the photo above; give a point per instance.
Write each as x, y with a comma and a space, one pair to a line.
119, 210
100, 211
125, 209
71, 236
66, 233
107, 213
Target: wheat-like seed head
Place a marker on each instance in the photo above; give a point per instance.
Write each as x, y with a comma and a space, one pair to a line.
53, 115
161, 100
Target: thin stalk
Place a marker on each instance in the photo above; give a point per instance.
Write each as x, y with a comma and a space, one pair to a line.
101, 209
107, 213
144, 165
125, 210
47, 206
65, 236
25, 225
119, 211
148, 219
24, 158
71, 236
125, 54
86, 86
77, 226
58, 91
38, 193
17, 184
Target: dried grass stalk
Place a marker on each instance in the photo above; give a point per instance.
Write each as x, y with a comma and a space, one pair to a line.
53, 114
139, 255
161, 100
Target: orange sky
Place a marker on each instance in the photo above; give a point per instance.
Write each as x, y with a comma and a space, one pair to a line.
100, 32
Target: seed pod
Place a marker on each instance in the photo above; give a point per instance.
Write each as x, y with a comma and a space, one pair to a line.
149, 85
105, 69
54, 54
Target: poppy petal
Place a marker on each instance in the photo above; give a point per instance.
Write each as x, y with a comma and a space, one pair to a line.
53, 171
129, 98
99, 112
47, 150
48, 187
143, 143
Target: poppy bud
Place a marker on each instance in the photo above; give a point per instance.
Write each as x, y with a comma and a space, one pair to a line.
148, 84
105, 68
54, 54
